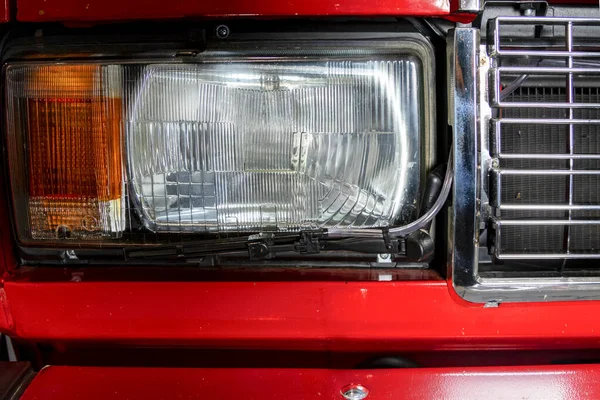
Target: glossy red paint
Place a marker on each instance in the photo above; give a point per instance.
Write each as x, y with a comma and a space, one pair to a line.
573, 382
111, 10
309, 315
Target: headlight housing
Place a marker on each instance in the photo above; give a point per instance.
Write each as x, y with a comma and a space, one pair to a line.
326, 134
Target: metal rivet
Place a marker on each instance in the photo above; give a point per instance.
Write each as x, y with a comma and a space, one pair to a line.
222, 31
355, 392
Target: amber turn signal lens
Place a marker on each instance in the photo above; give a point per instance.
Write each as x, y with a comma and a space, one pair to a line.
74, 125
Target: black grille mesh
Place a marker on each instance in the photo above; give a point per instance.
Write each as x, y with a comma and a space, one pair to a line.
536, 189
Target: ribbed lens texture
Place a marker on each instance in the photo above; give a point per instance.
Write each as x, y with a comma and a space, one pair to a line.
68, 121
279, 146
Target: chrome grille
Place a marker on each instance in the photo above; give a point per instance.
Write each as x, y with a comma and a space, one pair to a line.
544, 138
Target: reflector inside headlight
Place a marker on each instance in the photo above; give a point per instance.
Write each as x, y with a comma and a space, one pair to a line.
249, 146
284, 143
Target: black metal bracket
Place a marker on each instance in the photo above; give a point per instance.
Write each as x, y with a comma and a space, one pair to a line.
264, 246
417, 246
310, 243
260, 246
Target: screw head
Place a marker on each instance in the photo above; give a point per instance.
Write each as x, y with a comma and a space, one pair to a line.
354, 392
529, 12
63, 232
222, 31
70, 254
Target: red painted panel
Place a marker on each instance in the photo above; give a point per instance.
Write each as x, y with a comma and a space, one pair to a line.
571, 382
108, 10
353, 316
5, 10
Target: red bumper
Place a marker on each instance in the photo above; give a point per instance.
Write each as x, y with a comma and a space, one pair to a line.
339, 316
533, 383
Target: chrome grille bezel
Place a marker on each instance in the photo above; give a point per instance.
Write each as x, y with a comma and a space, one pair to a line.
476, 206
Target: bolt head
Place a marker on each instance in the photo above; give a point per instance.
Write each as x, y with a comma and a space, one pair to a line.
355, 392
222, 31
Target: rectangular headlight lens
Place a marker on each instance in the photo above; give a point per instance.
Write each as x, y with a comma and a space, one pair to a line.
282, 143
250, 146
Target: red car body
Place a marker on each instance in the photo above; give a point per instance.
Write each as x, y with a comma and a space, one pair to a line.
292, 318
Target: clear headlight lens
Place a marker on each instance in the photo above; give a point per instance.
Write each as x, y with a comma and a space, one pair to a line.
250, 146
284, 143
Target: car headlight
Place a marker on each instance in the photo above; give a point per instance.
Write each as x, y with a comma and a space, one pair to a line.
328, 136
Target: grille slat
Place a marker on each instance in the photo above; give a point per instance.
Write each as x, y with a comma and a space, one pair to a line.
545, 140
